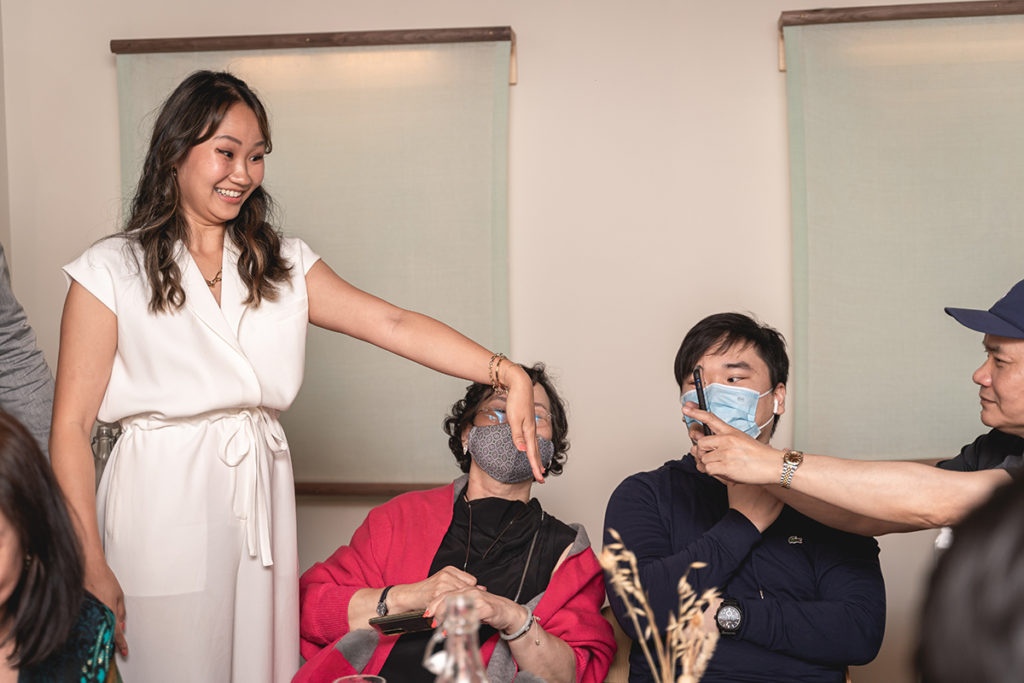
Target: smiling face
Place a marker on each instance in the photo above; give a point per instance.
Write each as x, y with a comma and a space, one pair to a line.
1001, 378
218, 175
740, 365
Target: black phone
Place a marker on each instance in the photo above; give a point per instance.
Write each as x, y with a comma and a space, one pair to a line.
404, 622
702, 403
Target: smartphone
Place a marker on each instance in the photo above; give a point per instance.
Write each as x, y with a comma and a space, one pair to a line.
702, 403
404, 622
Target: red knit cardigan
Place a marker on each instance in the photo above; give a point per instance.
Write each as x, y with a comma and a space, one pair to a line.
396, 545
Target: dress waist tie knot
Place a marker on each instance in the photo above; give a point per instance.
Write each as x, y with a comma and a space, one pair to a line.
252, 448
251, 439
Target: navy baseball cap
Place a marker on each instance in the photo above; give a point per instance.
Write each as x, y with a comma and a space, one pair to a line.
1004, 319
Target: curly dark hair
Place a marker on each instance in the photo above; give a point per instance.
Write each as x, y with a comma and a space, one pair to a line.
190, 116
46, 601
464, 410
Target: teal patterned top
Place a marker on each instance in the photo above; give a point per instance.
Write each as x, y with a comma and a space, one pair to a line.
88, 655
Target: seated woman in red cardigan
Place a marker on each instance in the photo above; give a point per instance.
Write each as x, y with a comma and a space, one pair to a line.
537, 584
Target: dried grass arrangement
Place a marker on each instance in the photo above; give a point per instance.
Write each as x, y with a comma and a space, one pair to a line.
686, 643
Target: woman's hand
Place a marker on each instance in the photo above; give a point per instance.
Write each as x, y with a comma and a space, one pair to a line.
500, 613
425, 593
101, 582
522, 414
493, 610
407, 597
538, 652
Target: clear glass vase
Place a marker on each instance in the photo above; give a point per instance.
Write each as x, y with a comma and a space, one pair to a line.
460, 660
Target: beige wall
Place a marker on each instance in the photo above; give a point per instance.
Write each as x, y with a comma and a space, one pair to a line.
5, 223
648, 189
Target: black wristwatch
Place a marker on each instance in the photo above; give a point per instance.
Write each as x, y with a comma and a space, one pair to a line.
382, 605
729, 617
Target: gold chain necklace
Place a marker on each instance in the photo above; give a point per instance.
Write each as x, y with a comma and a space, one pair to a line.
215, 280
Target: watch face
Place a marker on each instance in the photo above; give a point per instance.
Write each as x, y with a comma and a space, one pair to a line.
793, 458
729, 617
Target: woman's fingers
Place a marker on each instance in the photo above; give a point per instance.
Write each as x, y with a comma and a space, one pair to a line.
104, 585
451, 578
437, 605
444, 581
524, 435
485, 610
533, 452
120, 642
522, 419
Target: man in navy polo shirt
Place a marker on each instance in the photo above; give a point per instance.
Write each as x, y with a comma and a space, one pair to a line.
799, 601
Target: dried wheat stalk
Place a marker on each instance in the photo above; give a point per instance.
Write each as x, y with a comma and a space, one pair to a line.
685, 641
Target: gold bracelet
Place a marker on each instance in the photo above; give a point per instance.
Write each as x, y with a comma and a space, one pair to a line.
490, 368
499, 387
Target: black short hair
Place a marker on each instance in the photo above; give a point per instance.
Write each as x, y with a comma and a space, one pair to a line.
48, 597
464, 410
972, 624
721, 332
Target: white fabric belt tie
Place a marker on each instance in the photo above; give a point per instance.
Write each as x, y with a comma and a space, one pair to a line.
250, 445
252, 448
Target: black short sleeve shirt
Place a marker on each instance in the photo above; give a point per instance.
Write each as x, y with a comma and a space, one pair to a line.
995, 450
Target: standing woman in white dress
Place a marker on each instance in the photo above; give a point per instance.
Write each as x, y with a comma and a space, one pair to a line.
188, 328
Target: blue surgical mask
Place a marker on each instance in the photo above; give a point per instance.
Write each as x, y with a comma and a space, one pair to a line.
736, 406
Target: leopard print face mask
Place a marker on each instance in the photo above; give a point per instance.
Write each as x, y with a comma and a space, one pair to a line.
494, 452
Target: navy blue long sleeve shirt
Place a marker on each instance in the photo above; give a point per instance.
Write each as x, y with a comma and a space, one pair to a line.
813, 598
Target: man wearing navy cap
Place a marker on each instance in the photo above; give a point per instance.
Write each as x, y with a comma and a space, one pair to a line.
878, 497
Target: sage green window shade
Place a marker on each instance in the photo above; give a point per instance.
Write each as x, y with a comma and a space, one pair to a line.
907, 169
391, 162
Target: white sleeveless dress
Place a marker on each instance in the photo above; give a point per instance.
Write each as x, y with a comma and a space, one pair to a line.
196, 506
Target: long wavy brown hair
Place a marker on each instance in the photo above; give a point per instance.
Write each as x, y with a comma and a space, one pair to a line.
190, 116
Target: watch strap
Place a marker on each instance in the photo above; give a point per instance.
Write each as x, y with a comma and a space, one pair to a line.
382, 605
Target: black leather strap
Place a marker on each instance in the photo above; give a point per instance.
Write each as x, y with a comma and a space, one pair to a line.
382, 605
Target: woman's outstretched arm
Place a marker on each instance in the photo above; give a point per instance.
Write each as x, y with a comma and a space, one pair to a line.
336, 305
